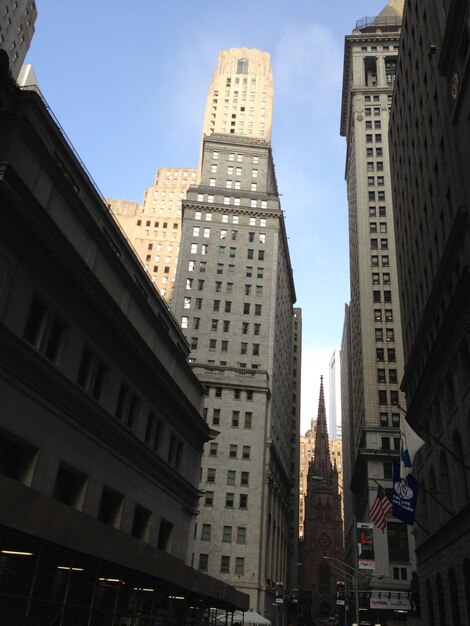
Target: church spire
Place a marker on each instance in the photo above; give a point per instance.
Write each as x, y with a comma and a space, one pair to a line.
321, 466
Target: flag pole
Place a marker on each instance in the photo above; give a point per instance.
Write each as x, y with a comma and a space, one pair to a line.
415, 522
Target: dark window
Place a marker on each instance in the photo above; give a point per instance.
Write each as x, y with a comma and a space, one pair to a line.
110, 507
398, 550
140, 523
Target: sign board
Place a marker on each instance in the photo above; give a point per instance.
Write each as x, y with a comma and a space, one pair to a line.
365, 546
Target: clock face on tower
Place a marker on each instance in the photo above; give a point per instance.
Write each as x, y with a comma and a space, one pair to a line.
324, 540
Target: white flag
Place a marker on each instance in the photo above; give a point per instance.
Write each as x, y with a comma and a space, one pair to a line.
410, 443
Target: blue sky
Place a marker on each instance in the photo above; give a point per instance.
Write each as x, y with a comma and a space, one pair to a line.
128, 82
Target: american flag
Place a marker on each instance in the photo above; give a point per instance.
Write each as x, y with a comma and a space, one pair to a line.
381, 508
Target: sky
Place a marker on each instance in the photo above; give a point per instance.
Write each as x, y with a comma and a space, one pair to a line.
128, 82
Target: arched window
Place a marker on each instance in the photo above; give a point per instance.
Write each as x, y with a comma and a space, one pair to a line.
454, 597
461, 486
440, 601
324, 578
242, 66
430, 603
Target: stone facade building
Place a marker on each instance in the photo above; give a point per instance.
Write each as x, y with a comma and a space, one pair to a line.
234, 297
372, 352
17, 19
101, 432
430, 163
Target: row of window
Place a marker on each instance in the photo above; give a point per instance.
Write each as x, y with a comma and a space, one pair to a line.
46, 332
389, 334
247, 308
223, 325
376, 278
381, 352
374, 243
382, 376
376, 124
387, 420
254, 203
370, 137
236, 421
231, 477
237, 393
229, 500
384, 259
224, 564
380, 196
384, 398
377, 296
253, 221
249, 271
378, 152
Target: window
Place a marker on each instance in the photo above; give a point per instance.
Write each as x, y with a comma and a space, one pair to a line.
216, 417
246, 452
213, 448
387, 469
202, 266
249, 272
380, 355
246, 308
203, 562
224, 564
260, 255
237, 394
392, 376
387, 296
233, 450
207, 233
381, 376
379, 334
228, 306
377, 315
249, 395
397, 542
243, 348
257, 309
391, 355
229, 500
231, 477
248, 419
216, 305
226, 324
44, 330
394, 397
227, 534
243, 501
244, 479
384, 419
211, 475
206, 532
386, 278
239, 565
250, 253
382, 397
374, 260
389, 334
218, 392
198, 304
241, 535
376, 296
256, 349
196, 231
209, 498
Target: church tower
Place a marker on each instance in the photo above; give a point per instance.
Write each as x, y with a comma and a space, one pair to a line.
323, 535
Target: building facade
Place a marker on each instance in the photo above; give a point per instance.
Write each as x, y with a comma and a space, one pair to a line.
429, 140
154, 228
101, 432
334, 396
17, 19
323, 531
234, 297
372, 355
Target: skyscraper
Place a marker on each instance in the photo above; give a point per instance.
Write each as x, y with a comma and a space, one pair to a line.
334, 396
234, 296
17, 18
429, 150
372, 352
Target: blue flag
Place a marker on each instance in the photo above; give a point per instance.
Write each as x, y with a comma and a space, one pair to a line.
405, 496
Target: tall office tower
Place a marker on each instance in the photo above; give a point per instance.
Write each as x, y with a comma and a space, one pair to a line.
17, 18
240, 98
429, 149
323, 533
154, 228
234, 296
334, 395
374, 356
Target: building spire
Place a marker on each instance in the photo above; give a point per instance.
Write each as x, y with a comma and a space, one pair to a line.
321, 466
